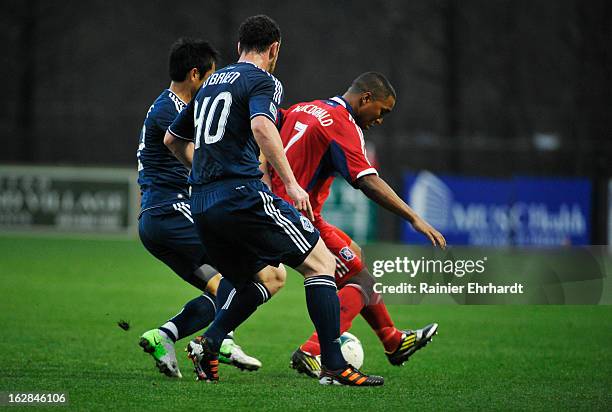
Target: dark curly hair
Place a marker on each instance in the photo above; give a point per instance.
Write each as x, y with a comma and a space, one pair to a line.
257, 33
187, 53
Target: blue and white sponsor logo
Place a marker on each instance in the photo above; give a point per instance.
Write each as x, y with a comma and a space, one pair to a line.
496, 212
347, 254
306, 224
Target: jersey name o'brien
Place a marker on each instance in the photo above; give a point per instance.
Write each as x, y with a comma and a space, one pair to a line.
220, 78
320, 114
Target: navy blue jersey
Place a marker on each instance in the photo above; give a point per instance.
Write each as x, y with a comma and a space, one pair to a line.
162, 178
218, 121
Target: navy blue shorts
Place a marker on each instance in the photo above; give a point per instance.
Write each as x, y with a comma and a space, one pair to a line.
169, 234
245, 227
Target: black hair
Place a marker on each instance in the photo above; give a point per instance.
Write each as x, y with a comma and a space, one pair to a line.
187, 53
373, 82
257, 33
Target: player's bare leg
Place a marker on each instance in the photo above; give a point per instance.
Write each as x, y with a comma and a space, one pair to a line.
273, 278
213, 284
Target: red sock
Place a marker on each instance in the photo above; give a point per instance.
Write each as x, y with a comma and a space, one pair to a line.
351, 303
378, 318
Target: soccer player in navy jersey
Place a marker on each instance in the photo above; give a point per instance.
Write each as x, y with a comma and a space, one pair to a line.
243, 225
322, 139
165, 223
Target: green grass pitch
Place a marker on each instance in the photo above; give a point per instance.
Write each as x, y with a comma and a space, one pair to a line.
60, 300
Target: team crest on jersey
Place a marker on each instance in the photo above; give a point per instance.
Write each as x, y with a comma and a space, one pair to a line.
306, 224
273, 110
347, 254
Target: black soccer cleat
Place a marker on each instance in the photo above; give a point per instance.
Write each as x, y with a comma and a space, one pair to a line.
411, 342
305, 363
349, 376
205, 361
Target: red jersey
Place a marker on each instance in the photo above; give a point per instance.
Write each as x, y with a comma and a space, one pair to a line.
321, 139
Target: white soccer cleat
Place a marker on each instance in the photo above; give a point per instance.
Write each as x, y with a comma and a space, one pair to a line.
232, 354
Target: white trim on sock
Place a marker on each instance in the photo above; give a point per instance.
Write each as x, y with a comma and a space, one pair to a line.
172, 328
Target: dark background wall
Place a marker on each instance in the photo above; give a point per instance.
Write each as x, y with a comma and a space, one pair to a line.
480, 83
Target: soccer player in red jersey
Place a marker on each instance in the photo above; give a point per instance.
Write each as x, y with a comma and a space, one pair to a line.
323, 138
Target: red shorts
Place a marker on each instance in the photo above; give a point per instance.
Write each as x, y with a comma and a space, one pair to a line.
348, 264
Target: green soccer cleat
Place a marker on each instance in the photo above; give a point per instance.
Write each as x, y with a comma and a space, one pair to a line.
232, 354
412, 341
161, 349
305, 363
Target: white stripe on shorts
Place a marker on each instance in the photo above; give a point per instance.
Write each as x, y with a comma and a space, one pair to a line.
287, 221
287, 226
185, 208
187, 213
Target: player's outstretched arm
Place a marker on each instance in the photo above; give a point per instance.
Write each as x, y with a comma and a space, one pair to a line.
180, 148
269, 141
379, 191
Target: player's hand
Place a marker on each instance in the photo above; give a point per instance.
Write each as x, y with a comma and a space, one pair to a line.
432, 234
300, 200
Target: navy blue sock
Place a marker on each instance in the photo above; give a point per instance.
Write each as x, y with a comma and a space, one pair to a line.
324, 310
195, 315
238, 307
223, 290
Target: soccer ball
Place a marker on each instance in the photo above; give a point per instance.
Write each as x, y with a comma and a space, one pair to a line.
351, 348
